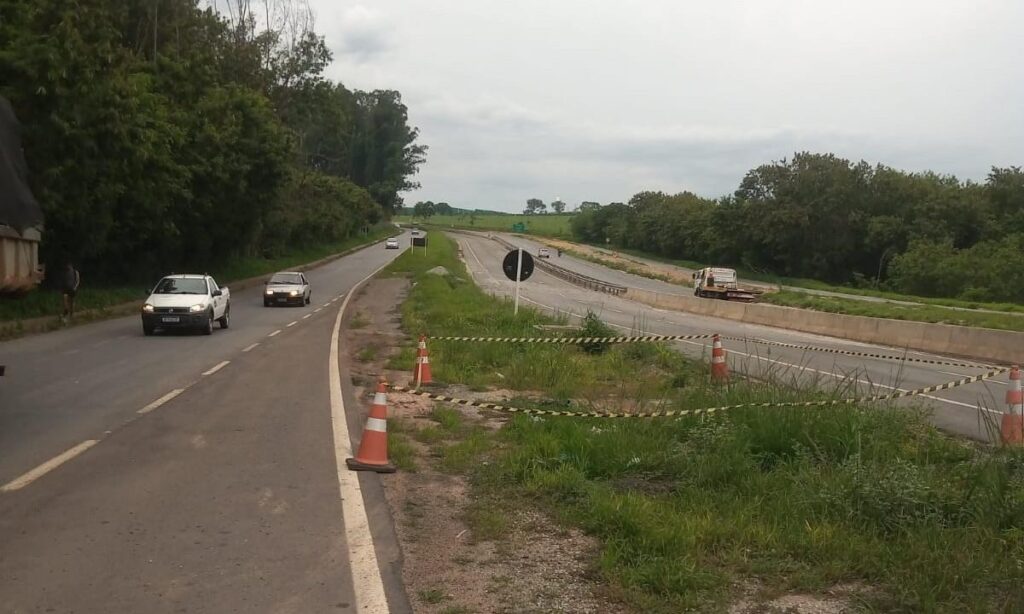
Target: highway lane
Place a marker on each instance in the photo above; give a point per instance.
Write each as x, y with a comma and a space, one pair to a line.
224, 497
76, 384
954, 410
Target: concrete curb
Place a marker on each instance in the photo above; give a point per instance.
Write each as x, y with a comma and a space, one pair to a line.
984, 344
23, 328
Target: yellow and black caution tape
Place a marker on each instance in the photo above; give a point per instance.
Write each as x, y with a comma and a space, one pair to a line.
576, 340
676, 413
812, 348
658, 338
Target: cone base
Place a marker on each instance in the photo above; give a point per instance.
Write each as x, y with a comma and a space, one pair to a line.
1012, 432
358, 465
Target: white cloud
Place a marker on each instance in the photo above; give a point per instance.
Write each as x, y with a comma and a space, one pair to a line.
598, 99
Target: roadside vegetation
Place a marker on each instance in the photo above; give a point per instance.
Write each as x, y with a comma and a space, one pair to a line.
916, 313
170, 136
868, 505
818, 216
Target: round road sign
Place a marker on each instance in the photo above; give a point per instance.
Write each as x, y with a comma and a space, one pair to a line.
511, 262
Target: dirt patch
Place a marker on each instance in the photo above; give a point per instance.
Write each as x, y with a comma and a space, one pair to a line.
838, 600
529, 564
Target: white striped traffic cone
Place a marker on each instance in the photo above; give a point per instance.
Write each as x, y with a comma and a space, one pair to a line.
719, 368
373, 447
421, 372
1012, 431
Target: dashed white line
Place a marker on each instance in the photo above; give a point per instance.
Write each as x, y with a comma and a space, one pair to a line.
276, 332
216, 367
318, 310
327, 304
292, 324
308, 315
33, 475
157, 403
250, 347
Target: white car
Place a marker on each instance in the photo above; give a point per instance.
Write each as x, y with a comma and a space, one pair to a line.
391, 243
543, 253
287, 288
186, 301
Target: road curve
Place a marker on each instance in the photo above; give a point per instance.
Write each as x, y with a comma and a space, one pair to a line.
970, 410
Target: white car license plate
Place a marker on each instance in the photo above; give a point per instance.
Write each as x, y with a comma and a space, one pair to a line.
282, 300
170, 319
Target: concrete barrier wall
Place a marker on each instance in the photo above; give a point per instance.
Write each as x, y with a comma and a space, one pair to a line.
984, 344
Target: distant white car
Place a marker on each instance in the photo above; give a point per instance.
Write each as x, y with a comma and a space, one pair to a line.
391, 243
543, 253
287, 288
415, 232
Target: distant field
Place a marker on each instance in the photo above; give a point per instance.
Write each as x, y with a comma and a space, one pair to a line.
555, 225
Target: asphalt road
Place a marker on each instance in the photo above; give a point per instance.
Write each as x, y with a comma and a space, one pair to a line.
206, 475
969, 410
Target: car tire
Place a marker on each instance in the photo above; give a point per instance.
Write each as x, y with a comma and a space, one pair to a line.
266, 303
208, 328
225, 320
309, 299
148, 329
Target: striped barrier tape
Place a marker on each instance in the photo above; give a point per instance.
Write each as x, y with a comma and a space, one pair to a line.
928, 361
576, 340
677, 413
658, 338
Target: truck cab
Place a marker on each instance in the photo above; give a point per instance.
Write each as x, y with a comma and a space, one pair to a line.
717, 282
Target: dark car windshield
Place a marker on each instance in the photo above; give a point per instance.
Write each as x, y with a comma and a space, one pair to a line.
286, 278
174, 285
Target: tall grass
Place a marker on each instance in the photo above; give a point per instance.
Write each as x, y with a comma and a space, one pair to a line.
787, 499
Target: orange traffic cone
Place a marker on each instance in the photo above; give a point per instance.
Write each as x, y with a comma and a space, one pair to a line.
421, 372
719, 368
373, 448
1013, 420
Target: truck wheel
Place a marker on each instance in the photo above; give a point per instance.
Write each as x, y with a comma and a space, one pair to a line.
208, 327
225, 320
147, 329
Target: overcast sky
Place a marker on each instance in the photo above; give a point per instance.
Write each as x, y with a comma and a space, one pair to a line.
597, 100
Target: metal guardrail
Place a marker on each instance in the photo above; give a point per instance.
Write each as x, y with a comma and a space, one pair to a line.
572, 277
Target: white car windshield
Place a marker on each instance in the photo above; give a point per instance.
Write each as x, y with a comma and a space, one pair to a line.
286, 278
174, 285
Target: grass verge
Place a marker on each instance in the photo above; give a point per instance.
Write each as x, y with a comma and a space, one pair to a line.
871, 500
42, 302
916, 313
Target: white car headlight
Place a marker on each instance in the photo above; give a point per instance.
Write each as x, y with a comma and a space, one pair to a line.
294, 293
196, 308
147, 308
269, 291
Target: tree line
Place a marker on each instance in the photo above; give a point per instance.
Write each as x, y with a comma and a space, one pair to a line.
823, 217
164, 133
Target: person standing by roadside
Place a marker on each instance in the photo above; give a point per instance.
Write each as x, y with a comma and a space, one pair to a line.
69, 287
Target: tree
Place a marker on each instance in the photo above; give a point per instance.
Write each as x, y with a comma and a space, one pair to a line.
535, 205
588, 205
443, 209
557, 206
424, 209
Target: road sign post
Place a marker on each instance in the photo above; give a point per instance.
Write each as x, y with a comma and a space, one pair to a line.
518, 267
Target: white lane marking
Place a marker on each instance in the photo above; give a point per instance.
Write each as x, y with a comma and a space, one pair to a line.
362, 558
327, 304
276, 332
308, 315
33, 475
292, 324
157, 403
250, 347
318, 310
216, 367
